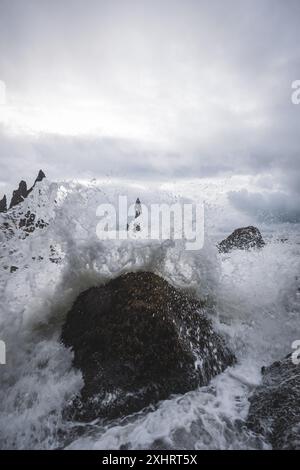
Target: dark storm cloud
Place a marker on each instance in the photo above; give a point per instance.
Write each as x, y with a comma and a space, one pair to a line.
153, 89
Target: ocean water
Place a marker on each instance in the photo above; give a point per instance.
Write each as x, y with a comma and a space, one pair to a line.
252, 298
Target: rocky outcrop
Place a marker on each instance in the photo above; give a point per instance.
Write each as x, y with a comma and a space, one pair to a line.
242, 239
3, 204
19, 194
41, 175
20, 217
137, 340
134, 226
275, 405
22, 192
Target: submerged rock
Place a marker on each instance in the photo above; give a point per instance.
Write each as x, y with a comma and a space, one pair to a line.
275, 405
137, 340
243, 238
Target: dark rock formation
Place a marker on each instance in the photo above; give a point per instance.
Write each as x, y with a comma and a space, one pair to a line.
275, 405
137, 340
22, 192
20, 217
138, 210
242, 239
3, 204
19, 194
40, 176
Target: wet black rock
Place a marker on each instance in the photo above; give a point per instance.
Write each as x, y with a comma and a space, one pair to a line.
243, 238
275, 405
137, 340
3, 204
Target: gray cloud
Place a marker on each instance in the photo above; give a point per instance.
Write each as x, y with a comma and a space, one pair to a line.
153, 90
267, 207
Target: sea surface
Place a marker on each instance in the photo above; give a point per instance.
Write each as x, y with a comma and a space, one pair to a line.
253, 299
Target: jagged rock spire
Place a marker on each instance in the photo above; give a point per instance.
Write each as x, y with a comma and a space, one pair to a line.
3, 204
138, 210
19, 194
22, 192
40, 176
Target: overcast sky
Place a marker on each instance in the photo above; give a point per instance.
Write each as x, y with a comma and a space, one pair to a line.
153, 89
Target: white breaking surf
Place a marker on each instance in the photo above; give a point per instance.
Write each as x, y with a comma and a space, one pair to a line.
251, 296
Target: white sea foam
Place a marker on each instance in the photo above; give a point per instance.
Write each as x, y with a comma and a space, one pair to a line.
251, 297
